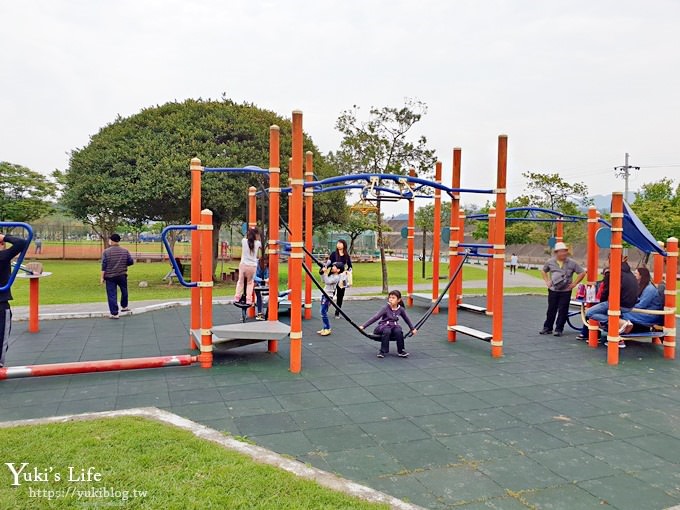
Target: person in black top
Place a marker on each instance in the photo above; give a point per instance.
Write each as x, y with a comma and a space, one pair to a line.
341, 255
6, 256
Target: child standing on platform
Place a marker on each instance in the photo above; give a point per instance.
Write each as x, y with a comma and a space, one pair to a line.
331, 275
388, 327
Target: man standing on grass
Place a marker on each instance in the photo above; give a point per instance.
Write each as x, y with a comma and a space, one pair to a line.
6, 256
115, 262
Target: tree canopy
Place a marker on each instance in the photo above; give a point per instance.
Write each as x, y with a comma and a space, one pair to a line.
381, 144
657, 204
136, 169
358, 223
547, 191
24, 194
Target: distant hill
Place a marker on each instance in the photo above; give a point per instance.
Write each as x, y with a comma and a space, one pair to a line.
603, 202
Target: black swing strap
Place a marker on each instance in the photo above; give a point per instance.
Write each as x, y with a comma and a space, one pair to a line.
337, 308
317, 261
434, 305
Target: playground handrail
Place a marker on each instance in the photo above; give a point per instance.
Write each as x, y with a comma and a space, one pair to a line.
20, 258
171, 255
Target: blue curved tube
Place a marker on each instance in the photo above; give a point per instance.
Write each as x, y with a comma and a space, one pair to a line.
164, 238
475, 245
20, 258
564, 218
245, 170
395, 178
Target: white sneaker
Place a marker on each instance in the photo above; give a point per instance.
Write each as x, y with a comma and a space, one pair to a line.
113, 317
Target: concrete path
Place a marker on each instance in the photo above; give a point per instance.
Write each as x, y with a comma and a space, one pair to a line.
549, 425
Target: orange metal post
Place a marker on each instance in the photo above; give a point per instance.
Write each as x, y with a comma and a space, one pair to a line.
670, 305
461, 239
206, 287
252, 207
296, 254
410, 243
616, 249
196, 171
559, 235
309, 230
593, 252
454, 258
490, 267
252, 223
499, 248
658, 266
592, 269
33, 308
290, 196
436, 234
274, 201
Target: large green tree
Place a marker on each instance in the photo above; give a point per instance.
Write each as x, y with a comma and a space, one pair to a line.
551, 191
657, 204
383, 143
516, 232
136, 169
24, 194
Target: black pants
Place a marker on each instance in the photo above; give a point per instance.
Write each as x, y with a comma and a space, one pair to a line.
339, 295
558, 305
112, 284
394, 334
5, 329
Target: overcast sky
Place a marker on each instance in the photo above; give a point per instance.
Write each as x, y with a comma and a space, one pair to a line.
575, 84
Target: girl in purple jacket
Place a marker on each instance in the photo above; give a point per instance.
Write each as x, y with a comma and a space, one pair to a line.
388, 327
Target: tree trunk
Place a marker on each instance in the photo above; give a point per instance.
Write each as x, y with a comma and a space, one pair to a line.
424, 252
351, 244
383, 262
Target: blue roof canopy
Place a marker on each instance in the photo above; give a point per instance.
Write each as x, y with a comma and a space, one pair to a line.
635, 233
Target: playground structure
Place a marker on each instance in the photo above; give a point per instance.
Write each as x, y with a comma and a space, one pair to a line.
624, 226
303, 187
204, 335
78, 367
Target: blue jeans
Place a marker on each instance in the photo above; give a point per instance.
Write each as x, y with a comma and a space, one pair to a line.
259, 303
112, 284
599, 311
325, 303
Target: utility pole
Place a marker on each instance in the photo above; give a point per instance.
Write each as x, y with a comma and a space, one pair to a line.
624, 171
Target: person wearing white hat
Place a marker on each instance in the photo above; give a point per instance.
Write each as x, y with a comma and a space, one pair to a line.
558, 274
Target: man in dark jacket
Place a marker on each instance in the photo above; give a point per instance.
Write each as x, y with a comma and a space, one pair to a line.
629, 292
115, 262
6, 256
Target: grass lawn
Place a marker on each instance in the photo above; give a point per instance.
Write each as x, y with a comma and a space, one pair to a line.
171, 467
77, 281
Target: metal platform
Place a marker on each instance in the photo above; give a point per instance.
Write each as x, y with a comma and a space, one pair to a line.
426, 300
472, 308
230, 336
475, 333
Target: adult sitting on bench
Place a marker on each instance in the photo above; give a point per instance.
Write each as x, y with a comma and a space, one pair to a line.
649, 298
171, 274
629, 292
